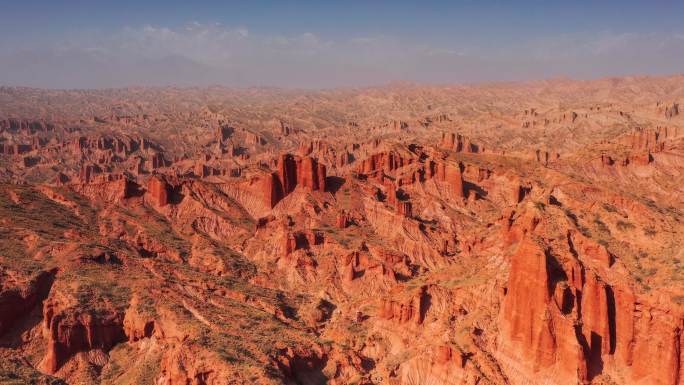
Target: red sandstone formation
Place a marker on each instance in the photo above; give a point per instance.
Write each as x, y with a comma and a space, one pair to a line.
293, 172
342, 221
366, 240
68, 333
158, 191
458, 143
411, 311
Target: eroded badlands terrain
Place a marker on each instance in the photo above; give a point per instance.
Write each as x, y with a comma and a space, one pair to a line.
405, 235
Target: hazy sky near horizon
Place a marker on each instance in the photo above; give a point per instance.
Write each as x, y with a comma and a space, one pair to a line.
314, 44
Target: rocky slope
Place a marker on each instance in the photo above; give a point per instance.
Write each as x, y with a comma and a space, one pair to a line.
407, 235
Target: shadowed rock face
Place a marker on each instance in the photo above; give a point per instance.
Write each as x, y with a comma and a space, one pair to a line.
400, 235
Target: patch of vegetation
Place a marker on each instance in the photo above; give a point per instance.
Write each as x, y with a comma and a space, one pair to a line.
600, 225
13, 371
94, 291
624, 226
610, 208
126, 368
40, 215
584, 230
159, 229
146, 305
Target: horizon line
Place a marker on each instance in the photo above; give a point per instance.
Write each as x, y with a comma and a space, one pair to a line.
388, 84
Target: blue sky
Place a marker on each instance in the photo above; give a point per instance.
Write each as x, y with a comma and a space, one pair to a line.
94, 43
